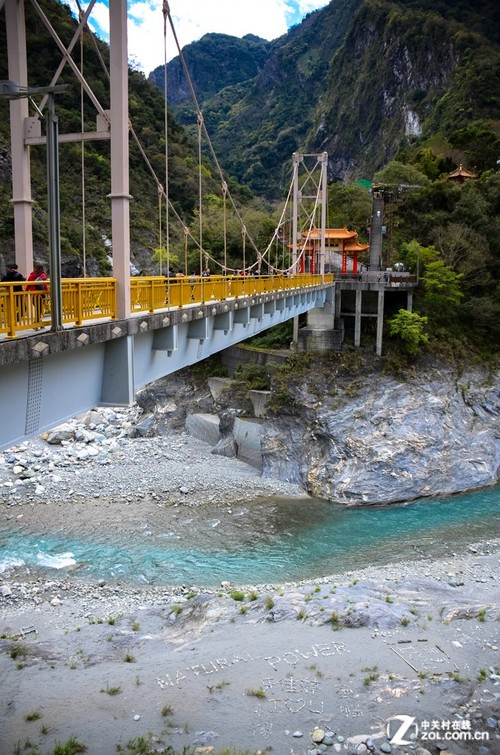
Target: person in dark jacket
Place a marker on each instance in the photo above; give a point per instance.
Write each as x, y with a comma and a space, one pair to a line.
12, 275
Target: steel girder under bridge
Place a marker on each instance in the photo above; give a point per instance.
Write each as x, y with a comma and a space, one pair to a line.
51, 376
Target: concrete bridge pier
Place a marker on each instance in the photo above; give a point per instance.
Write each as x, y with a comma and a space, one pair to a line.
320, 333
357, 318
380, 322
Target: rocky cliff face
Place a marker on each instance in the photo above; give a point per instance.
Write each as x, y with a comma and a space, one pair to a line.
381, 439
350, 434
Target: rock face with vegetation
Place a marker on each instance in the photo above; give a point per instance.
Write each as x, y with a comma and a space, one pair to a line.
374, 438
348, 431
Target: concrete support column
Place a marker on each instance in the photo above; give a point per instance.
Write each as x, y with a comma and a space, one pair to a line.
357, 318
409, 301
337, 302
295, 336
21, 174
120, 197
380, 322
117, 387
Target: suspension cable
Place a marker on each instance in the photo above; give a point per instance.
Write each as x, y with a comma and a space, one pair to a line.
224, 203
199, 113
165, 100
160, 223
200, 189
82, 153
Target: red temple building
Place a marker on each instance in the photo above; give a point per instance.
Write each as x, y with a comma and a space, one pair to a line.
340, 244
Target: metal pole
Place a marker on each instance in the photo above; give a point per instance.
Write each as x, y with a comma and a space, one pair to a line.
296, 160
324, 166
54, 214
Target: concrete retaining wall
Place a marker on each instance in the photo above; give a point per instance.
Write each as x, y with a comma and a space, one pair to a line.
205, 427
247, 434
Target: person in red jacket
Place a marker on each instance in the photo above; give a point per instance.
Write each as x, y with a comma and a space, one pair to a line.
38, 290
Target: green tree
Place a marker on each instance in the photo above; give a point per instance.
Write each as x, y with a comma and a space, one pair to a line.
396, 173
410, 328
350, 206
416, 257
465, 251
442, 292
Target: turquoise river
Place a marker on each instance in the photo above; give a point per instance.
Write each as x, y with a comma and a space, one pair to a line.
268, 541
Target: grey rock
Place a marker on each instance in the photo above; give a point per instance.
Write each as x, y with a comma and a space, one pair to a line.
226, 447
61, 433
399, 442
145, 429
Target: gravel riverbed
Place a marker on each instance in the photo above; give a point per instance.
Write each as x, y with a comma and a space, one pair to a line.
336, 664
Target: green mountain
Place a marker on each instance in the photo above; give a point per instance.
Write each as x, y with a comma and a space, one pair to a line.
360, 79
215, 62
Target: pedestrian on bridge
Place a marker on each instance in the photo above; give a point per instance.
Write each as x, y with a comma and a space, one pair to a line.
38, 290
14, 276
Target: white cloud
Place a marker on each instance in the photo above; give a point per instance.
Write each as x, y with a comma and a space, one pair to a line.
192, 19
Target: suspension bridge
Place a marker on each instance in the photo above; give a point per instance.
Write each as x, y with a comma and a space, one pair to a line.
89, 341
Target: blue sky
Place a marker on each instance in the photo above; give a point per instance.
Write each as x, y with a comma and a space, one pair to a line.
194, 18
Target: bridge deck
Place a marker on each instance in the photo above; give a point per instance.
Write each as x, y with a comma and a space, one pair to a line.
94, 299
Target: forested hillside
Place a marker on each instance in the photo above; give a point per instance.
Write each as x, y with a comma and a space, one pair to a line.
360, 80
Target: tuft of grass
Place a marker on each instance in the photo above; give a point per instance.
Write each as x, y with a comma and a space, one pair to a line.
73, 746
371, 678
112, 690
481, 615
237, 595
177, 609
129, 658
18, 650
135, 626
244, 610
388, 599
33, 716
482, 675
335, 620
405, 621
167, 710
253, 595
143, 746
220, 685
456, 677
260, 693
269, 602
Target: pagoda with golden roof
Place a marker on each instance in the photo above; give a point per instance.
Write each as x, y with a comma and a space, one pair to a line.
461, 174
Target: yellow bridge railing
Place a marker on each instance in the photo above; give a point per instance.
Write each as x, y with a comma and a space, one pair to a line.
86, 299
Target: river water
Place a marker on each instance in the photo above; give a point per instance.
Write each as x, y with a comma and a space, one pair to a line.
267, 541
